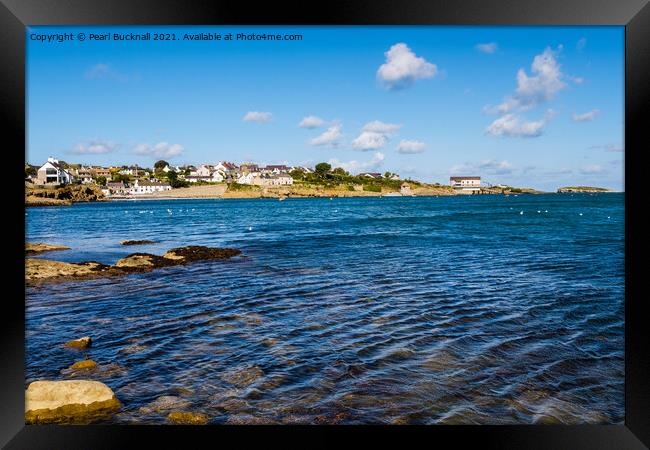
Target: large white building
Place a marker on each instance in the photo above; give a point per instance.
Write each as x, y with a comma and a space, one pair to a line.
467, 185
147, 187
52, 173
282, 179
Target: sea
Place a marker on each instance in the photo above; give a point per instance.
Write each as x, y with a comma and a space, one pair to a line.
486, 309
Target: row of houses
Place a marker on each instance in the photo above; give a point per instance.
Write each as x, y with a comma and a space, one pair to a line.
138, 187
247, 173
53, 172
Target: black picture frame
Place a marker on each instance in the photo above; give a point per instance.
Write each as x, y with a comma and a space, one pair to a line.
15, 15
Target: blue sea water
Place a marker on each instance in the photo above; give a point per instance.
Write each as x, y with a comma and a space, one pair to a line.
470, 309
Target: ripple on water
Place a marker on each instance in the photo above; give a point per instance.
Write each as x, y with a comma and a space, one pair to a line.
393, 310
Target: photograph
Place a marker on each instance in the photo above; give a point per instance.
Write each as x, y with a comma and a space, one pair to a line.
325, 225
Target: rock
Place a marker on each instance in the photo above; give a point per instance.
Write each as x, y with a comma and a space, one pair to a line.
33, 200
31, 248
137, 242
137, 261
243, 376
39, 270
71, 401
135, 348
43, 270
187, 418
83, 342
85, 364
199, 253
165, 403
90, 369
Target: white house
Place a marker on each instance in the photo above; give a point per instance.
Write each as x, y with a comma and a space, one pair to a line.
203, 171
197, 178
467, 185
370, 174
247, 178
225, 166
148, 187
276, 169
52, 173
217, 176
85, 176
116, 188
273, 180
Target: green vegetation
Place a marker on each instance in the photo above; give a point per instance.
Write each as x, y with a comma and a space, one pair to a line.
323, 168
372, 188
100, 180
30, 170
582, 189
240, 187
117, 177
160, 165
325, 176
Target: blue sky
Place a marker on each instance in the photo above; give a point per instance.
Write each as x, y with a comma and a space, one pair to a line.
528, 106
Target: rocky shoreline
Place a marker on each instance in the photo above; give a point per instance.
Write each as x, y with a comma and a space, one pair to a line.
38, 270
62, 196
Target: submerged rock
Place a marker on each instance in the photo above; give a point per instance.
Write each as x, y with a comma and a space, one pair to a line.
83, 342
187, 418
137, 242
70, 401
90, 369
34, 248
85, 364
43, 270
165, 403
243, 376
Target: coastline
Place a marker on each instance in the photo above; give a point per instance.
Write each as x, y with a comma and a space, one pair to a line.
222, 191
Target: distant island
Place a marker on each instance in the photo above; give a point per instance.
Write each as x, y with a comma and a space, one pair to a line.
567, 189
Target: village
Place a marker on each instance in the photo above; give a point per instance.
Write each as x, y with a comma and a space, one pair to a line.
134, 181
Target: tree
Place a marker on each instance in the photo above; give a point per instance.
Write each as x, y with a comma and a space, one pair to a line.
340, 171
172, 175
30, 170
160, 165
176, 183
323, 168
120, 177
101, 180
387, 175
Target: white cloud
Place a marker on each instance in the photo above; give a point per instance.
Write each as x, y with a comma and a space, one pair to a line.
369, 140
96, 147
102, 71
488, 48
257, 116
329, 137
609, 148
538, 88
402, 68
380, 127
586, 117
159, 150
496, 167
311, 122
581, 43
356, 166
591, 169
374, 135
410, 147
512, 125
